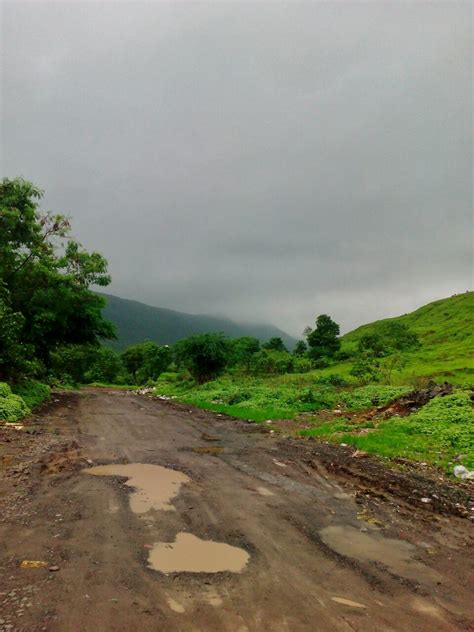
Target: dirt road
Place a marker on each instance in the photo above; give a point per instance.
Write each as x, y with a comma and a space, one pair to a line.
319, 550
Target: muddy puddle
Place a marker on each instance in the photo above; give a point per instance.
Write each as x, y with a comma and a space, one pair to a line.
396, 555
190, 554
153, 486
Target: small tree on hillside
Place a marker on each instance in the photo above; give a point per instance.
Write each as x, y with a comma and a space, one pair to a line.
205, 356
300, 348
323, 340
274, 344
244, 349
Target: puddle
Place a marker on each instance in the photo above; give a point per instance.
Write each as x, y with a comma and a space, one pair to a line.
397, 555
263, 491
154, 486
190, 554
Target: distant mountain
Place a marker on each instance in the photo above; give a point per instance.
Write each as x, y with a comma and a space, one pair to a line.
136, 322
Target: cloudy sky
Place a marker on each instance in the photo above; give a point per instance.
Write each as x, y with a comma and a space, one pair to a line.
266, 161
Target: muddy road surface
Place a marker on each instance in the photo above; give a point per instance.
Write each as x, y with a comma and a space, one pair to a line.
203, 523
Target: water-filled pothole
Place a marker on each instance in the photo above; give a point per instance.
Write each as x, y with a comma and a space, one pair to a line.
154, 486
190, 554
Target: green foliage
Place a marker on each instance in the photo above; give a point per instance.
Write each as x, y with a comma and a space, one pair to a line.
323, 341
438, 432
301, 364
205, 356
104, 365
300, 348
146, 361
12, 407
366, 368
45, 301
332, 379
275, 344
445, 331
32, 392
371, 395
269, 362
251, 397
244, 350
5, 390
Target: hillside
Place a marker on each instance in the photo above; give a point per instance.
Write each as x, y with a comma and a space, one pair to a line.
446, 332
136, 322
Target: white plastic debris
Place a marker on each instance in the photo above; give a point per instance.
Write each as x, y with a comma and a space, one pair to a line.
462, 472
426, 500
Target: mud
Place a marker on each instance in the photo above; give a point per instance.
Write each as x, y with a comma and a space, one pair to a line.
189, 554
153, 486
343, 544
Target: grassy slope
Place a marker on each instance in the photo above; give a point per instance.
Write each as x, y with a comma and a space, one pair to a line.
438, 434
446, 332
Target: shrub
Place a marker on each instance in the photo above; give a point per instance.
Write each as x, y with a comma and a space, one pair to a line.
12, 408
5, 390
333, 379
33, 393
372, 395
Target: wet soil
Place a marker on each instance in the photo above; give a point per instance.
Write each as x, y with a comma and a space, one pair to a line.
331, 541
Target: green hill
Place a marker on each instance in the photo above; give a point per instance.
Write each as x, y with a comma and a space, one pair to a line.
136, 322
446, 332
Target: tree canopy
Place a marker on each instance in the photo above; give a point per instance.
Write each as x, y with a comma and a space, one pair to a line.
45, 281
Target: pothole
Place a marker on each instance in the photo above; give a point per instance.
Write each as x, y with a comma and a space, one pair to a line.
190, 554
153, 486
396, 555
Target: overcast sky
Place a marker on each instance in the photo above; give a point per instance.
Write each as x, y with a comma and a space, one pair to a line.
258, 160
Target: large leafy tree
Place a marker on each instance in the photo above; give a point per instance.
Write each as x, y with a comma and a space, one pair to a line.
205, 355
45, 281
244, 350
274, 344
323, 340
146, 360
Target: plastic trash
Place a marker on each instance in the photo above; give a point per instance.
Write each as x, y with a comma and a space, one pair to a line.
462, 472
33, 564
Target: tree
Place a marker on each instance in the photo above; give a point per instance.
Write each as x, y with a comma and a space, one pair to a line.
270, 362
323, 341
366, 368
274, 344
300, 348
372, 344
244, 349
45, 280
392, 364
205, 355
106, 366
387, 338
146, 360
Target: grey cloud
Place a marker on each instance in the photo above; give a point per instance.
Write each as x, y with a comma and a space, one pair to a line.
264, 161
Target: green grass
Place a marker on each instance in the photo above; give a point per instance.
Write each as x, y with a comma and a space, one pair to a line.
445, 329
437, 433
33, 393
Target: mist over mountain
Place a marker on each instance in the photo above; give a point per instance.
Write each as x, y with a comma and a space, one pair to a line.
137, 321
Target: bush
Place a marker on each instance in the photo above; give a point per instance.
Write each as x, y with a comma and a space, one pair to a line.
12, 407
333, 379
301, 365
273, 362
33, 393
372, 395
5, 390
